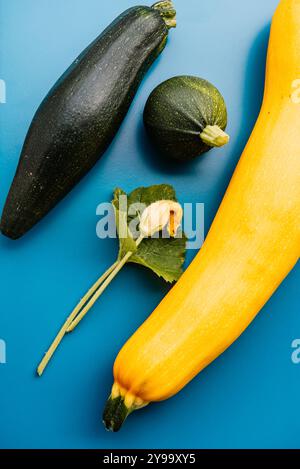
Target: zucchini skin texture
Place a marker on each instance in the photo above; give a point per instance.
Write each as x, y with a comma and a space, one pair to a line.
80, 116
176, 113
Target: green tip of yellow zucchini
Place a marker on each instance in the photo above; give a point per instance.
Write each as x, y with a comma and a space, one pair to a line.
115, 413
120, 404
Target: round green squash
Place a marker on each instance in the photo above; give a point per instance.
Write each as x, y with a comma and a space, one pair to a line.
186, 116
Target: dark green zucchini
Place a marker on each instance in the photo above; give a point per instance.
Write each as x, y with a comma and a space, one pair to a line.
186, 116
80, 116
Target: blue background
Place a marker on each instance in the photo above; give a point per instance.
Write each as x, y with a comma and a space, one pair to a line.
249, 397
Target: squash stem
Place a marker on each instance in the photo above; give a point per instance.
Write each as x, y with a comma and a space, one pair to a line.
85, 305
98, 293
118, 407
93, 298
63, 330
167, 12
115, 414
214, 136
92, 290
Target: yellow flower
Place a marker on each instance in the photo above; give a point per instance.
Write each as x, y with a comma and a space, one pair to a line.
157, 216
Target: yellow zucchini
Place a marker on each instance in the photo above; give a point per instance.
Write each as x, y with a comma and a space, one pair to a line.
253, 244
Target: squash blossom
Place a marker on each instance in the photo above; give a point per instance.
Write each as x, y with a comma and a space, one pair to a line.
159, 215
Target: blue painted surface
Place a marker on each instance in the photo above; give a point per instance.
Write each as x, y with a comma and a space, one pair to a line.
250, 396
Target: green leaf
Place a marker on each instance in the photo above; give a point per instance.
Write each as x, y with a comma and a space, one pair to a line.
149, 195
163, 255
